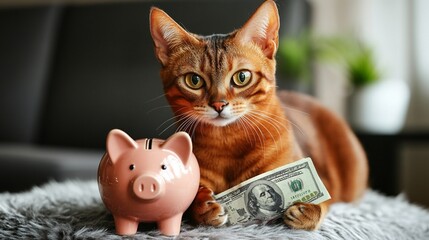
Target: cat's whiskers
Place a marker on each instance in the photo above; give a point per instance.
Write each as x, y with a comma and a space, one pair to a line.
165, 122
196, 123
148, 112
291, 122
155, 98
185, 122
176, 119
298, 128
168, 120
296, 110
271, 117
272, 121
285, 107
189, 124
305, 114
257, 131
242, 124
249, 130
265, 119
158, 108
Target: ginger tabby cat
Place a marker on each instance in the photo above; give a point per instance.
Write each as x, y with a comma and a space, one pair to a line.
222, 89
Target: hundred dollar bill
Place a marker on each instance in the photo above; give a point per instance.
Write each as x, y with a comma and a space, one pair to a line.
265, 197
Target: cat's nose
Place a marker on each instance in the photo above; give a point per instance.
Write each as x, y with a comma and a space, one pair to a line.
219, 105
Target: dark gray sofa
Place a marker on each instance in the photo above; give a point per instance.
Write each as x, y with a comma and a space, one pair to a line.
70, 73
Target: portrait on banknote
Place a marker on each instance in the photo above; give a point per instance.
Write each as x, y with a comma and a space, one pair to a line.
264, 200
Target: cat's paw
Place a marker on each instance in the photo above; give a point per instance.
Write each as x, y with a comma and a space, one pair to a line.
206, 211
304, 216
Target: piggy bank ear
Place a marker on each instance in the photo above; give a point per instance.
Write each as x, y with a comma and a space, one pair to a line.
181, 144
118, 142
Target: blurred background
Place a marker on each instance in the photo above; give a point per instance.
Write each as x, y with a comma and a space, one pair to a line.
71, 70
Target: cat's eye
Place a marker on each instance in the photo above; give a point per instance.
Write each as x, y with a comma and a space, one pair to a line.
194, 81
241, 78
132, 167
164, 167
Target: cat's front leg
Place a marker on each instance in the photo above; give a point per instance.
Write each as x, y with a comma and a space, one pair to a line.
206, 211
306, 216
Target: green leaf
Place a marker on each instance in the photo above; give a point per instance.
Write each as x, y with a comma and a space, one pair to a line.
362, 69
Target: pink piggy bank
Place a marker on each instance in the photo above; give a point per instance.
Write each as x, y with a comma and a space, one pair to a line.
148, 180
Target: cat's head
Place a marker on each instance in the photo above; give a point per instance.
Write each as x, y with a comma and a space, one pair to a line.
222, 78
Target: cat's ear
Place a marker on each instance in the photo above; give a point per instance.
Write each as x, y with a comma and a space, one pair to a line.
262, 28
118, 142
181, 144
166, 34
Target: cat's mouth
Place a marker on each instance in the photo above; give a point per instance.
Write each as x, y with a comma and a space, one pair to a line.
221, 121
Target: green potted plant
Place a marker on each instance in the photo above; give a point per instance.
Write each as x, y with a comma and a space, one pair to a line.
361, 68
375, 104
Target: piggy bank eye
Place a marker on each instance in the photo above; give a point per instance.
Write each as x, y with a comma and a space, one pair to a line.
132, 167
164, 167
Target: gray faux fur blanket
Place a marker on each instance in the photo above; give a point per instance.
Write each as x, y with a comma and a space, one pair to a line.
73, 210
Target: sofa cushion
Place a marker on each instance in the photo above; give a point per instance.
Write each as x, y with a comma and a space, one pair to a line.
23, 165
26, 45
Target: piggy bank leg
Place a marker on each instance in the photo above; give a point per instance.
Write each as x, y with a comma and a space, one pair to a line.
125, 226
171, 226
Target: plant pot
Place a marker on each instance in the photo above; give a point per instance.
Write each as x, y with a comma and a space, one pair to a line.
380, 107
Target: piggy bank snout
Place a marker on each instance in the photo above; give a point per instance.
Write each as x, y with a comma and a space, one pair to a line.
149, 187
